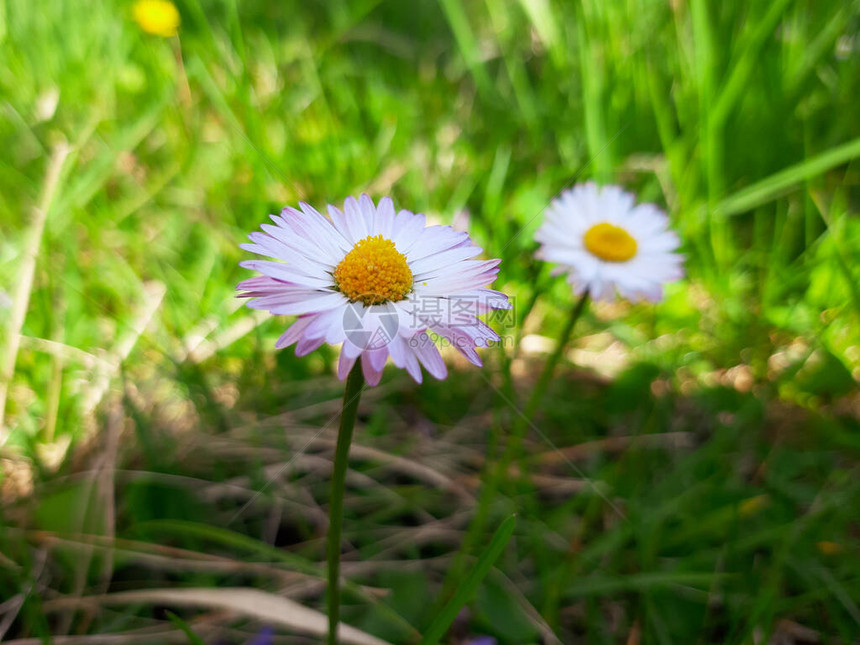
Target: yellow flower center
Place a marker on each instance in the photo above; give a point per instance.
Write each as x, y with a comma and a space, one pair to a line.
610, 242
159, 17
374, 272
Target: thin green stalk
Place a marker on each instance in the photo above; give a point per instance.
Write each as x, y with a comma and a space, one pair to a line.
494, 463
549, 367
351, 396
521, 425
495, 473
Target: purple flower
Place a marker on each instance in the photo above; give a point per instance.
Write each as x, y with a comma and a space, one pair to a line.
376, 281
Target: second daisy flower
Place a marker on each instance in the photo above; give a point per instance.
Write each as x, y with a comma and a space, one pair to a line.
607, 243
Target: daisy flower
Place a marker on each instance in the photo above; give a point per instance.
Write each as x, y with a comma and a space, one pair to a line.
375, 281
606, 243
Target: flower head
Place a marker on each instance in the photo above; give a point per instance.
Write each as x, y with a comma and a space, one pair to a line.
158, 17
376, 281
606, 243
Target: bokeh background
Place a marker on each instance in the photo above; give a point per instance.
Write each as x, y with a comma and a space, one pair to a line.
695, 478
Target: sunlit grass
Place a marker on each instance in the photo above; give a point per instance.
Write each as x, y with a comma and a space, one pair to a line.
740, 119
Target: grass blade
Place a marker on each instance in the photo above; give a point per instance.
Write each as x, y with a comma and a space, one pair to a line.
465, 592
264, 607
25, 281
467, 41
775, 185
193, 638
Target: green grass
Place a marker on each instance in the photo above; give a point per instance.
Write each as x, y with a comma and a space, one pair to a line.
146, 414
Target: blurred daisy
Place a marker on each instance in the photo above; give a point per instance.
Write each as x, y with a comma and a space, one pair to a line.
376, 281
158, 17
606, 243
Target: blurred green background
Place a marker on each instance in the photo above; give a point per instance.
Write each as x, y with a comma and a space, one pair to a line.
153, 438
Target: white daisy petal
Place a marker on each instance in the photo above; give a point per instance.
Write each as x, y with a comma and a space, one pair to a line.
407, 228
311, 251
433, 263
356, 222
317, 304
324, 322
310, 225
436, 239
403, 356
428, 355
273, 248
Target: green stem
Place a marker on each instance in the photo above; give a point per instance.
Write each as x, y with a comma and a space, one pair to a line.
351, 395
521, 424
495, 474
549, 367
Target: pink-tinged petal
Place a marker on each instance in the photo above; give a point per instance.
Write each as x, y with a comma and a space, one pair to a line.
344, 364
377, 358
371, 376
323, 322
413, 368
306, 345
494, 300
293, 230
602, 290
338, 219
436, 239
336, 334
314, 215
351, 349
470, 274
462, 342
294, 332
285, 273
307, 252
446, 285
303, 247
315, 227
260, 285
476, 334
443, 259
403, 356
471, 356
408, 320
282, 299
280, 293
428, 355
407, 229
275, 248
